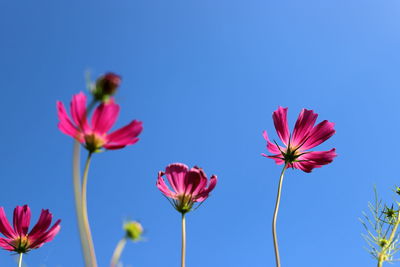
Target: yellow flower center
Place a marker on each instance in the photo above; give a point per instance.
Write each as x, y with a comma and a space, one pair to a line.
94, 142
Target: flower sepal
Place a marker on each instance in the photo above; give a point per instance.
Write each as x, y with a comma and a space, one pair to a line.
183, 203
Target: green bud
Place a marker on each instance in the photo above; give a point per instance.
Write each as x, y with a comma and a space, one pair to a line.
383, 242
133, 230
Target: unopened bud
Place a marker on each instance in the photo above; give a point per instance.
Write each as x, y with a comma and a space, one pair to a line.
133, 230
106, 86
383, 242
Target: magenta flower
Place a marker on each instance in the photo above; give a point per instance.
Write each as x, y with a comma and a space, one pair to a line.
94, 135
18, 239
189, 186
305, 136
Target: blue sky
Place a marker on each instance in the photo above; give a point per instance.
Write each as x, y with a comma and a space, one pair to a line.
204, 77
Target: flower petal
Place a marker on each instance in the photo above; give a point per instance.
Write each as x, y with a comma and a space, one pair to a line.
162, 186
46, 236
319, 134
22, 219
315, 159
5, 227
303, 126
281, 125
278, 158
42, 224
6, 244
206, 192
124, 136
176, 173
272, 148
104, 117
201, 186
78, 111
65, 125
193, 181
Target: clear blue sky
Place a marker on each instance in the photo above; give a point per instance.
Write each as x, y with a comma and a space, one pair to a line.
204, 77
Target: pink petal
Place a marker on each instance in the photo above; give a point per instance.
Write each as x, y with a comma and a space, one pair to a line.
46, 236
6, 244
104, 117
303, 126
78, 111
193, 181
65, 124
22, 219
281, 124
319, 134
176, 173
5, 227
278, 158
118, 146
272, 148
162, 186
42, 224
206, 192
124, 136
201, 186
315, 159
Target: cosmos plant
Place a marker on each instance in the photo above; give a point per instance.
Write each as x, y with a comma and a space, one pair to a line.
95, 138
294, 154
382, 226
18, 238
189, 186
133, 231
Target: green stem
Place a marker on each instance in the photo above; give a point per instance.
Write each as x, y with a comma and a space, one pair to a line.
118, 251
20, 260
278, 200
85, 213
76, 179
78, 202
394, 230
183, 252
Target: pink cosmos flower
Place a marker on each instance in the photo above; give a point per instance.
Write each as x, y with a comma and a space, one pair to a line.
94, 135
305, 136
18, 239
189, 186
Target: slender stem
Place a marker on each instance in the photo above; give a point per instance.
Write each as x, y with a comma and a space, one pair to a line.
20, 260
78, 202
183, 255
278, 200
380, 262
394, 230
85, 213
117, 252
76, 179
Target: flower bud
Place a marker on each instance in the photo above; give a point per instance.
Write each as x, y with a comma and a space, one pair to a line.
106, 86
383, 242
133, 230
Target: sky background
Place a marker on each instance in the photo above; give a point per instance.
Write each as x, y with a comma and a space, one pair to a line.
204, 77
